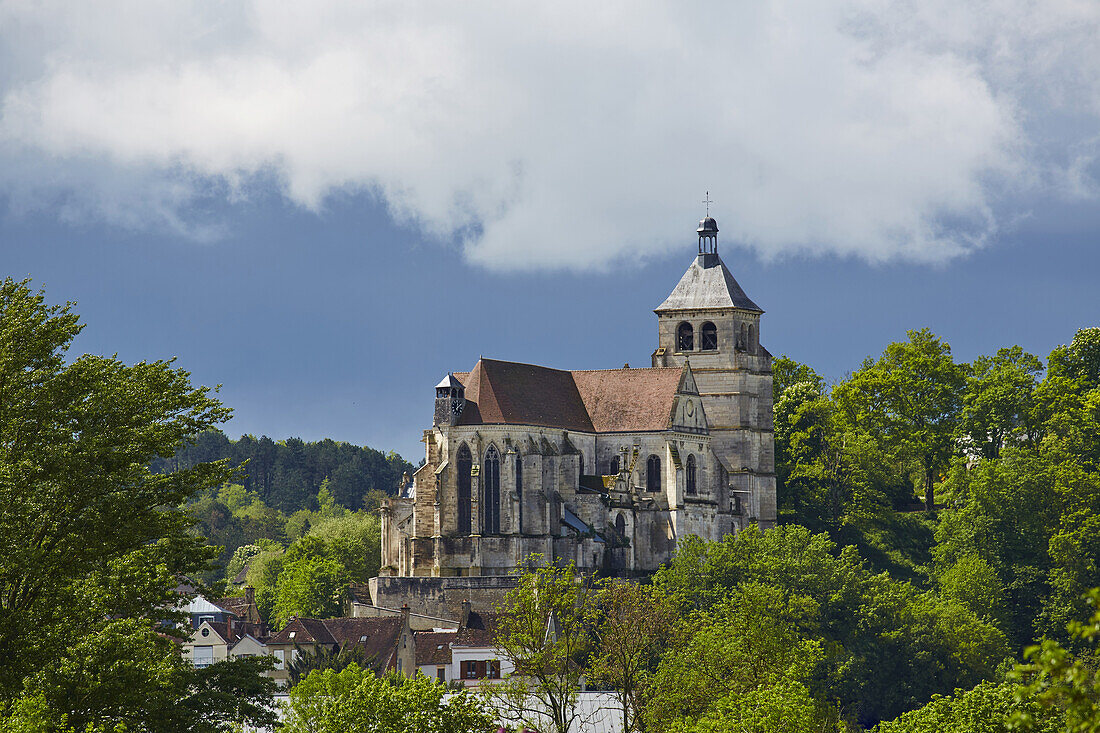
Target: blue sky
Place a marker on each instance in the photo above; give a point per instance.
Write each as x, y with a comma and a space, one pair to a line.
324, 209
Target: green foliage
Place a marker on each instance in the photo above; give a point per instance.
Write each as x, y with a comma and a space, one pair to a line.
890, 646
786, 372
745, 665
999, 404
975, 584
354, 700
546, 633
635, 625
987, 708
322, 658
310, 586
287, 475
910, 399
93, 541
1062, 681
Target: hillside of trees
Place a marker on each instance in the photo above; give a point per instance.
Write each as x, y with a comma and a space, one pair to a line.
287, 474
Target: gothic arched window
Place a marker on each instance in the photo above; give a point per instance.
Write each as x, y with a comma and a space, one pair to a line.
464, 464
708, 337
685, 337
690, 488
750, 344
653, 474
620, 526
581, 456
519, 491
614, 468
742, 340
491, 493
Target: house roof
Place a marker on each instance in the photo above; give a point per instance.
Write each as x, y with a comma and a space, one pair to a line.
433, 647
240, 607
377, 637
600, 400
480, 630
707, 283
303, 631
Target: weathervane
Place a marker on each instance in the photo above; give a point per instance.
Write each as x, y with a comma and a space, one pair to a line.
708, 202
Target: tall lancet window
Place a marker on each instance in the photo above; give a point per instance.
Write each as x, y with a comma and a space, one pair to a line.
491, 494
464, 464
653, 474
690, 488
685, 337
519, 491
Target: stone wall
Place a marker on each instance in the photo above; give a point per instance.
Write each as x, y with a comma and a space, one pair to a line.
441, 597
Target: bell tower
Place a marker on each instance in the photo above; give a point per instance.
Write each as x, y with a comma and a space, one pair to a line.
710, 321
450, 399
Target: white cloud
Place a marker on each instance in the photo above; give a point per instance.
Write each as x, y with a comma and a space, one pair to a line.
566, 134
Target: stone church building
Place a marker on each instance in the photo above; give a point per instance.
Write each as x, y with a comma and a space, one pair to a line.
605, 468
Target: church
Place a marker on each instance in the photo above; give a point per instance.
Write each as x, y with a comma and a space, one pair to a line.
605, 468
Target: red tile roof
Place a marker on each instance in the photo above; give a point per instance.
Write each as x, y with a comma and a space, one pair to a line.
377, 637
604, 400
629, 400
479, 631
433, 647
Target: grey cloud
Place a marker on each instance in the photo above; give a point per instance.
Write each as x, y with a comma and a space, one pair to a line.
562, 135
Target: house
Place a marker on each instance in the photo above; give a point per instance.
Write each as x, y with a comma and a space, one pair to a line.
225, 629
385, 643
475, 657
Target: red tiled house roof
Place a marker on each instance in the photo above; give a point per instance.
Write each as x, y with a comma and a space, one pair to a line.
433, 647
602, 401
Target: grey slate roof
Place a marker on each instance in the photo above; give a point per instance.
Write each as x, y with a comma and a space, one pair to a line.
707, 284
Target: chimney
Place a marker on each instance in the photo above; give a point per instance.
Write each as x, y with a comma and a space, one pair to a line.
465, 614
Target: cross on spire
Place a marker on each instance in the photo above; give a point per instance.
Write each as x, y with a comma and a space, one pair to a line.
708, 202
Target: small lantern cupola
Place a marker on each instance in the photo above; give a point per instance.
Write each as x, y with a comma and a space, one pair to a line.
708, 236
450, 399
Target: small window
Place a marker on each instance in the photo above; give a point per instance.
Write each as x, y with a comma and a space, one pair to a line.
614, 468
205, 632
441, 674
653, 474
620, 526
685, 337
203, 656
494, 669
691, 474
293, 634
280, 658
743, 339
750, 343
708, 337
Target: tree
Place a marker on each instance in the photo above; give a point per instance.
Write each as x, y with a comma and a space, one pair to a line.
314, 587
93, 540
911, 397
743, 665
354, 700
545, 632
635, 625
786, 371
987, 708
1062, 681
1000, 400
890, 646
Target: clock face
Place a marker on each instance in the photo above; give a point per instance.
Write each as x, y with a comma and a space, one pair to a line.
456, 406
